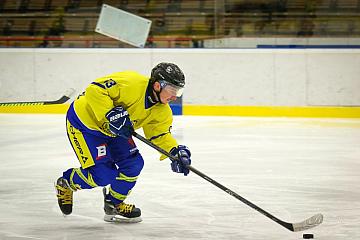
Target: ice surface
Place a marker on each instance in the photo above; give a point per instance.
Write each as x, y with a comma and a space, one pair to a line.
292, 168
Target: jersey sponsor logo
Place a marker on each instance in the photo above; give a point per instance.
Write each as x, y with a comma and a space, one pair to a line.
101, 151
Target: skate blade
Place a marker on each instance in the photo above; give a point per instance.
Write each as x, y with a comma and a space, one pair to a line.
121, 219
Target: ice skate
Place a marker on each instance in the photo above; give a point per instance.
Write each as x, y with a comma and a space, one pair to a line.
64, 195
122, 212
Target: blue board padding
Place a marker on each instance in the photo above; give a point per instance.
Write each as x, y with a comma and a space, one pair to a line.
176, 108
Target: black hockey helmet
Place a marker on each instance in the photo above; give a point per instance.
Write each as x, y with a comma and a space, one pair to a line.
168, 72
170, 77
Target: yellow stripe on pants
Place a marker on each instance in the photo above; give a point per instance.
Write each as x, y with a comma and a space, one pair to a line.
79, 145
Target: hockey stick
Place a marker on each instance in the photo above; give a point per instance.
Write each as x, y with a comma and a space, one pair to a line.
294, 227
61, 100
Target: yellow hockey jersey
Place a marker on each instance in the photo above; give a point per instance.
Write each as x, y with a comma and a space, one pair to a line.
126, 89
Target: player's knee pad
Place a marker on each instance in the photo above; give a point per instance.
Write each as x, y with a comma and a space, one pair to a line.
132, 166
103, 174
128, 172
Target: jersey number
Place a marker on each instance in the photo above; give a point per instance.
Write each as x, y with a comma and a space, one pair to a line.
109, 83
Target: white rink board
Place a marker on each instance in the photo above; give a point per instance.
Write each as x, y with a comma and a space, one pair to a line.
292, 168
245, 77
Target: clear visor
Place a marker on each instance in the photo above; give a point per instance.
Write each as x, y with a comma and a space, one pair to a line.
172, 89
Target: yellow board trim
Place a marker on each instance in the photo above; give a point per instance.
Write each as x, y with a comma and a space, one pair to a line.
53, 108
204, 110
272, 111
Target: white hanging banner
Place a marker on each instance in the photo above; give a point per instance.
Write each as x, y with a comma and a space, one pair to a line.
123, 26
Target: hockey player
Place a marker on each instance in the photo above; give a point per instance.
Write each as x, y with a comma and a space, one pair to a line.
99, 125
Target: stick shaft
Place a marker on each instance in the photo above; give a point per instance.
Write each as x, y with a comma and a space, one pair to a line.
222, 187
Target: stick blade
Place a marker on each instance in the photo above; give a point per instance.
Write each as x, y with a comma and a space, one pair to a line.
308, 223
68, 94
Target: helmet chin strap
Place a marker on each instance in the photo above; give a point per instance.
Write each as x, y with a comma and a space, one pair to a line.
154, 96
158, 96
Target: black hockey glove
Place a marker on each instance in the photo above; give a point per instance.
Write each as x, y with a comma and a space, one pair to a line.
183, 154
119, 122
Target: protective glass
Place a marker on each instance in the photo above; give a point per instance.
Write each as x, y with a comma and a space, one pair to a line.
172, 89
